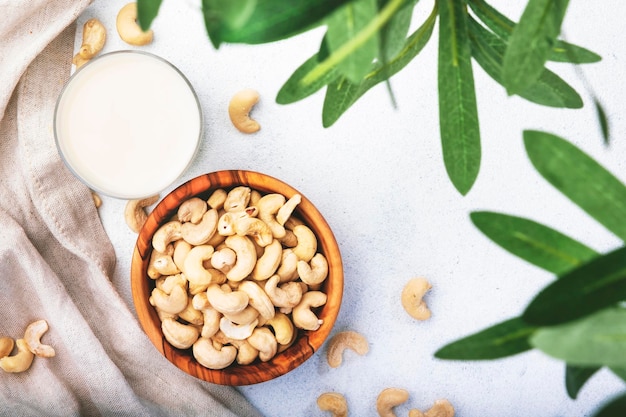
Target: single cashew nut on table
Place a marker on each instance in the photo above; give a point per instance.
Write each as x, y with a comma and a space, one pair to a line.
135, 212
412, 298
441, 408
342, 341
94, 38
333, 402
32, 336
128, 28
19, 362
390, 398
239, 110
6, 346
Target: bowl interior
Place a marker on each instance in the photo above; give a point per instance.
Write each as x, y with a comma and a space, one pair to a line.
307, 343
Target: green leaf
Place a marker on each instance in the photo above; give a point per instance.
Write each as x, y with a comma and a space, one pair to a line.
270, 21
549, 90
533, 242
576, 377
507, 338
603, 120
595, 285
458, 114
620, 372
341, 93
294, 90
393, 35
596, 340
224, 15
503, 27
615, 408
531, 42
580, 178
343, 25
147, 10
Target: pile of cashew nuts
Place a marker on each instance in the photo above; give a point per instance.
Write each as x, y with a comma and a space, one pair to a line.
236, 276
28, 347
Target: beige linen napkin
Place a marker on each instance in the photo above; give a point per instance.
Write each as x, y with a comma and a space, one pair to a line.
56, 260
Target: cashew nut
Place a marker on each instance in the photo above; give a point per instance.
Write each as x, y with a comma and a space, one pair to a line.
199, 234
94, 37
246, 315
211, 322
226, 302
283, 328
167, 284
237, 331
172, 303
411, 298
239, 110
307, 243
287, 295
135, 212
181, 250
191, 315
333, 402
302, 315
441, 408
165, 235
223, 259
181, 336
97, 201
288, 268
315, 272
246, 257
390, 398
129, 30
194, 269
163, 264
342, 341
257, 229
263, 340
268, 207
237, 199
217, 199
192, 210
32, 337
19, 362
207, 355
268, 263
246, 352
258, 299
287, 209
6, 346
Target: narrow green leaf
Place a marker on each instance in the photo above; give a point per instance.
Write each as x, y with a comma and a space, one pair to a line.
576, 377
341, 93
549, 90
603, 120
343, 25
596, 340
614, 408
531, 42
533, 242
147, 10
393, 35
580, 178
294, 90
507, 338
503, 27
272, 20
458, 114
595, 285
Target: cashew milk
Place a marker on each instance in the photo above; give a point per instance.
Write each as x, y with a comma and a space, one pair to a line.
128, 124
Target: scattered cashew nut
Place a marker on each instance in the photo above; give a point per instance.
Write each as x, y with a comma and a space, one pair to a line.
345, 340
128, 29
390, 398
412, 301
239, 110
94, 37
6, 346
19, 362
135, 213
441, 408
333, 402
32, 337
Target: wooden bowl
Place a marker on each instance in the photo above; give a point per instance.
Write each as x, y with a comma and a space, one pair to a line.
307, 342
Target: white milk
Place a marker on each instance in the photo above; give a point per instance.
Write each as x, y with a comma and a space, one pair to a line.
128, 124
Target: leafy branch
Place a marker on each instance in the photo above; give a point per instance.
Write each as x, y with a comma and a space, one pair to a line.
578, 318
367, 42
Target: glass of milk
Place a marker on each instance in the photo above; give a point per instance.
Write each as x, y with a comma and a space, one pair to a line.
128, 124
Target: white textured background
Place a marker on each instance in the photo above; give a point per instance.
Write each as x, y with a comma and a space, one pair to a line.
377, 176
